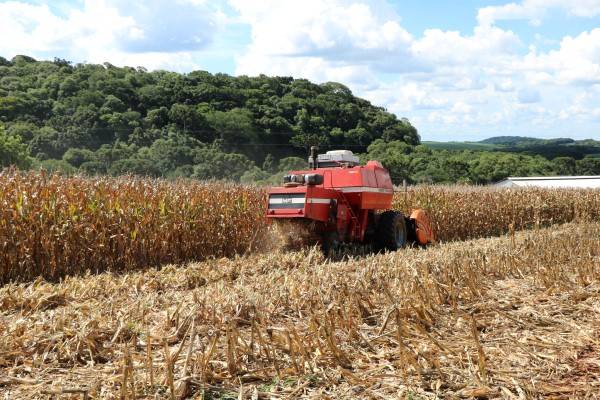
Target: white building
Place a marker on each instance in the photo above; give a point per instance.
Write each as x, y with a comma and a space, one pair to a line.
583, 182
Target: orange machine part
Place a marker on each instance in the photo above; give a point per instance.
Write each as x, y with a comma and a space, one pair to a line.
423, 230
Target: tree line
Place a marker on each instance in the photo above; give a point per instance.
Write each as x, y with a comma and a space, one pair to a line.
103, 119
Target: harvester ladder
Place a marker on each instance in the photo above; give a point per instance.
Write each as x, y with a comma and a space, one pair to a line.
353, 218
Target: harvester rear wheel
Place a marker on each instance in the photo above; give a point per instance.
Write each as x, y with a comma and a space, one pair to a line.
390, 233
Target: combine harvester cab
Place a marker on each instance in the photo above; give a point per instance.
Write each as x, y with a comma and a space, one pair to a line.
339, 199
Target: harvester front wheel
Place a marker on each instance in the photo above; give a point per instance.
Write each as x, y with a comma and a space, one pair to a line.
390, 233
330, 244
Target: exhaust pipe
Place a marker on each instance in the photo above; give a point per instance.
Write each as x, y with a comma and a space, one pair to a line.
313, 162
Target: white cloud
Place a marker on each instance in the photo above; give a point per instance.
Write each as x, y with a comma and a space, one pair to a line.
178, 25
313, 37
528, 96
577, 61
448, 81
535, 10
450, 47
442, 79
504, 85
290, 35
155, 34
34, 28
582, 106
461, 108
410, 96
344, 28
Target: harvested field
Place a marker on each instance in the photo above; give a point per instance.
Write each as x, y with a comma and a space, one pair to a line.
516, 316
55, 226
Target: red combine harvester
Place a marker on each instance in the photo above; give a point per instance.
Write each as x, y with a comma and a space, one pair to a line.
342, 201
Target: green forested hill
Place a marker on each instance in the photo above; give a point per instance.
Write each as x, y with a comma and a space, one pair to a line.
102, 119
105, 119
459, 146
548, 148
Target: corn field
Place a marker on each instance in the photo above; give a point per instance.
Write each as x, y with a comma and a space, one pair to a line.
466, 212
52, 226
509, 317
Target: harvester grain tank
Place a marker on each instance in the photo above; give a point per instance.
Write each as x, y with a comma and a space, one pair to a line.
342, 201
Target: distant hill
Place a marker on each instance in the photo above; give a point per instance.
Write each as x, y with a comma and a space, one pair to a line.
459, 146
508, 140
548, 148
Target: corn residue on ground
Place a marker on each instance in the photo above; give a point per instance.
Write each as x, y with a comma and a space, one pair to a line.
516, 316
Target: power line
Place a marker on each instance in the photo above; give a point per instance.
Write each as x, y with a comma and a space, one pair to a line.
218, 140
217, 132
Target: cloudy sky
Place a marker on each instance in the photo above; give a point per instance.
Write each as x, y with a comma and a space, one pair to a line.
459, 70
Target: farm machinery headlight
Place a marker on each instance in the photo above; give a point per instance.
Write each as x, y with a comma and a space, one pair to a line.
294, 179
313, 179
299, 179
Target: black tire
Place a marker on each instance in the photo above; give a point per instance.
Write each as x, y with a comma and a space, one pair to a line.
390, 233
330, 244
411, 232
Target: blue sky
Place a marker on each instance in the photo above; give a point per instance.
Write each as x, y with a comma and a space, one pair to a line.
463, 70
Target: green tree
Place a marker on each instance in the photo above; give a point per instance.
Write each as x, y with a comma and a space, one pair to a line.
255, 175
214, 164
269, 164
158, 117
401, 130
170, 153
395, 156
564, 165
24, 130
13, 151
233, 127
76, 157
58, 166
190, 120
292, 163
136, 166
588, 166
131, 114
